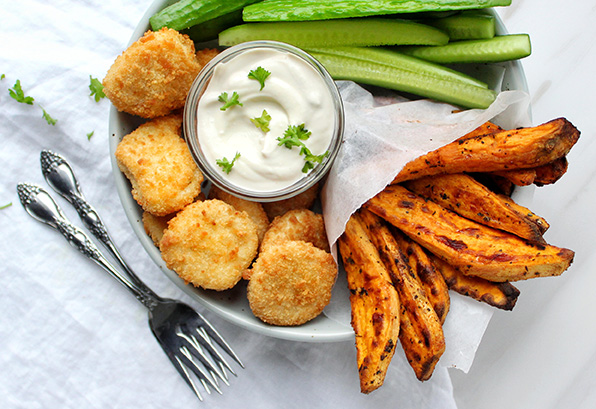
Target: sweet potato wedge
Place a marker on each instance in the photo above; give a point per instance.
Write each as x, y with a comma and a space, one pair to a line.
541, 224
491, 152
469, 198
470, 246
424, 270
374, 303
551, 172
499, 295
421, 333
519, 177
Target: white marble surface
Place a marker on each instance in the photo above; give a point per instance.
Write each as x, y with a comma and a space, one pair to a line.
72, 338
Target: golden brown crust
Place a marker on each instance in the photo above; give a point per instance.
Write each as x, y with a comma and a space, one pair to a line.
374, 302
297, 224
502, 150
155, 226
472, 247
304, 200
291, 283
210, 244
152, 77
157, 162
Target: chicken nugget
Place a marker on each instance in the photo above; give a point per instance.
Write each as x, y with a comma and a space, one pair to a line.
152, 77
304, 200
206, 54
160, 167
253, 209
210, 244
291, 283
297, 224
155, 226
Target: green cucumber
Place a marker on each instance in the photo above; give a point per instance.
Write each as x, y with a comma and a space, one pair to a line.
187, 13
210, 29
405, 62
332, 33
302, 10
367, 72
496, 49
466, 26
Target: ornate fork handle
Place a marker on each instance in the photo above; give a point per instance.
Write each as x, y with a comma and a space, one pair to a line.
40, 205
60, 176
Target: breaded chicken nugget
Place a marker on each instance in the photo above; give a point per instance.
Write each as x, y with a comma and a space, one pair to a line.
291, 283
205, 55
155, 226
298, 224
210, 244
303, 200
253, 209
157, 162
152, 77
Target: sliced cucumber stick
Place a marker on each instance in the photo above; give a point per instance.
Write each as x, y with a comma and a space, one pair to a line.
302, 10
466, 26
349, 32
398, 60
367, 72
497, 49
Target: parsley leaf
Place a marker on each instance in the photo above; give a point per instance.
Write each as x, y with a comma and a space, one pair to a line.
5, 206
47, 117
293, 136
2, 76
225, 164
89, 135
96, 88
260, 74
263, 122
229, 101
17, 93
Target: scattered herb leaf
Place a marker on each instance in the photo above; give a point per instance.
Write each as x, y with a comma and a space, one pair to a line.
17, 93
5, 206
229, 101
96, 88
2, 76
47, 117
294, 136
225, 164
89, 135
263, 122
260, 74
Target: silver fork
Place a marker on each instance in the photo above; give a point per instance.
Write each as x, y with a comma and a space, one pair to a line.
184, 334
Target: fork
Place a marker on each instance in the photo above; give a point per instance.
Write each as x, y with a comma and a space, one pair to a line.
184, 334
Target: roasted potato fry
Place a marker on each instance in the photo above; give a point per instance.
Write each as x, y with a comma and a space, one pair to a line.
470, 246
519, 177
374, 302
424, 270
515, 149
421, 333
541, 223
551, 172
499, 295
465, 196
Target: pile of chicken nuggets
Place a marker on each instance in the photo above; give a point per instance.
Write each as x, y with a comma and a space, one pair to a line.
210, 238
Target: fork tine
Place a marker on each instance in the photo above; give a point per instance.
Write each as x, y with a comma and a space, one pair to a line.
198, 371
207, 343
214, 374
214, 335
196, 351
203, 333
186, 376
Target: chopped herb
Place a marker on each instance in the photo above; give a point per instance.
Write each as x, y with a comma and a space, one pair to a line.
2, 76
96, 88
47, 117
263, 122
260, 74
17, 93
225, 164
229, 102
293, 136
89, 135
5, 206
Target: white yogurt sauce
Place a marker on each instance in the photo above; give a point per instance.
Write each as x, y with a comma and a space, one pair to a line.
294, 94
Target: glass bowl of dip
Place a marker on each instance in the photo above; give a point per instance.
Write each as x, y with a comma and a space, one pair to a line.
284, 133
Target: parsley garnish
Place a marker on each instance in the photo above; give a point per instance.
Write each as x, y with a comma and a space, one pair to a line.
229, 102
260, 74
263, 122
225, 164
293, 136
17, 93
89, 135
2, 76
47, 117
96, 88
5, 206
